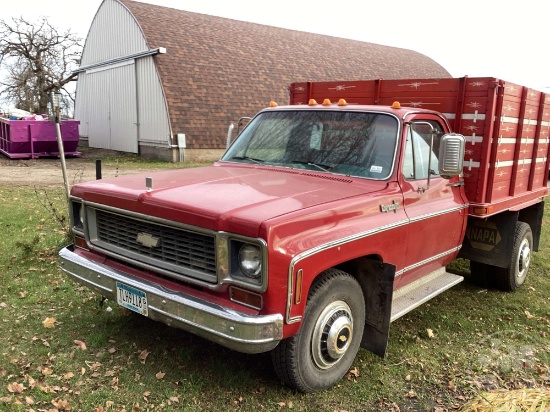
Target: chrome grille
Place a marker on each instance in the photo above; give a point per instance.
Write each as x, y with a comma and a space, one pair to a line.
179, 251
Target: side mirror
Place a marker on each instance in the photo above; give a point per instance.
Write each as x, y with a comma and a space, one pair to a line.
451, 155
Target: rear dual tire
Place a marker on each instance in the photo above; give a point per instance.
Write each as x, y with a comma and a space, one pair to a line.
513, 276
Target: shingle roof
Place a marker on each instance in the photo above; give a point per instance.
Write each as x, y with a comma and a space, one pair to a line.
217, 70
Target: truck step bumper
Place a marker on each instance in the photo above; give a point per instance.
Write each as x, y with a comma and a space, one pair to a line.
238, 331
418, 292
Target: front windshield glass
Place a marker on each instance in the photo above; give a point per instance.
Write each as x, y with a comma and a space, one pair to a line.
350, 143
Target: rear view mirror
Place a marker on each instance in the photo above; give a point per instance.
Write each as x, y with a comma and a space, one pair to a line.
451, 155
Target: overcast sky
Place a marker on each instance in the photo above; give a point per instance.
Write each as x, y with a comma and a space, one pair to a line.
474, 38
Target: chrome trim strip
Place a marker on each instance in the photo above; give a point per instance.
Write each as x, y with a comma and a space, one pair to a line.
320, 248
440, 213
339, 242
247, 333
428, 260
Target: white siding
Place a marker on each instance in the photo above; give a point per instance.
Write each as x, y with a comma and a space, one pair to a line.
113, 33
113, 119
81, 103
154, 125
119, 103
99, 133
123, 109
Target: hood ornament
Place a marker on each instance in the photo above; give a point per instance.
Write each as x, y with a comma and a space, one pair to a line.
149, 183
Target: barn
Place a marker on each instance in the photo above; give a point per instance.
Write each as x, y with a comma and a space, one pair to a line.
167, 83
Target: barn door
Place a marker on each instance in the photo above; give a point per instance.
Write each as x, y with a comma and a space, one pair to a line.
113, 108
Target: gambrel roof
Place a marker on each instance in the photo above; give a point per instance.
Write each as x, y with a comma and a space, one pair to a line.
217, 70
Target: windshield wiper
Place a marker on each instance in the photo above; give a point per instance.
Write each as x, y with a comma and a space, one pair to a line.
320, 166
252, 159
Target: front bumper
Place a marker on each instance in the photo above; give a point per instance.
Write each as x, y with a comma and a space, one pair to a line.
238, 331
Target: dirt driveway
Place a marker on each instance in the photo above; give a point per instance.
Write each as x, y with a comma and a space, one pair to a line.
47, 171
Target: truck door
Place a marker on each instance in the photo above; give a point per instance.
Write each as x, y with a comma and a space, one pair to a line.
434, 205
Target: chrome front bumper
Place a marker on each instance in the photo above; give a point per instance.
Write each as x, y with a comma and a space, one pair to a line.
236, 330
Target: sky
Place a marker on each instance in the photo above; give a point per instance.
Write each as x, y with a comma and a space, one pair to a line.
475, 38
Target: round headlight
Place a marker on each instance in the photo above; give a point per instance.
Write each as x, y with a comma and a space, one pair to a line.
250, 260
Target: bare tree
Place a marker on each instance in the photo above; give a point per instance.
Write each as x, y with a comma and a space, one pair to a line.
36, 58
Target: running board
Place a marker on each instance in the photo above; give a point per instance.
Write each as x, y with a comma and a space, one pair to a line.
420, 291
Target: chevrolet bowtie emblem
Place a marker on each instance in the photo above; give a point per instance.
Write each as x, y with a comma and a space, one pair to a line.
148, 240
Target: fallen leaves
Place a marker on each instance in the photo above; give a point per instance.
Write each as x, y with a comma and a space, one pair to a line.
160, 375
47, 371
80, 344
15, 387
143, 355
49, 322
352, 374
68, 375
430, 333
61, 404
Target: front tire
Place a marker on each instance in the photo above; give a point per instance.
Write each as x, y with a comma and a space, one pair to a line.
513, 276
330, 335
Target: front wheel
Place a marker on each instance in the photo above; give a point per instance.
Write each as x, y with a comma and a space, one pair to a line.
328, 341
513, 276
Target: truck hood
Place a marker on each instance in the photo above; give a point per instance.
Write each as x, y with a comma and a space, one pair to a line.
223, 197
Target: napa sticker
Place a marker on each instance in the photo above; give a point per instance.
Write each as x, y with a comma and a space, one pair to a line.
483, 236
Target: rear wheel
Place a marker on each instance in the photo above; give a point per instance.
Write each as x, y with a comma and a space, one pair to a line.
326, 345
513, 276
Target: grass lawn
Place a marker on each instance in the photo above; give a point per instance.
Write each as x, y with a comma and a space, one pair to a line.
61, 352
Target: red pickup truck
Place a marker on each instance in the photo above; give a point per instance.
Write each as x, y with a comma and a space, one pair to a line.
326, 219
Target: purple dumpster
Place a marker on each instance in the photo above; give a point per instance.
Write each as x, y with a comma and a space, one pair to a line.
29, 139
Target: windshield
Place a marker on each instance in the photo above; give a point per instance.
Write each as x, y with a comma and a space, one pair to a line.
350, 143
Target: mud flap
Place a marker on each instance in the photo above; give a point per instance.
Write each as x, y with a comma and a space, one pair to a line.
377, 285
490, 240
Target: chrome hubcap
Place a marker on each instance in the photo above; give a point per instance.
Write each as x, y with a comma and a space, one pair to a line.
524, 259
332, 335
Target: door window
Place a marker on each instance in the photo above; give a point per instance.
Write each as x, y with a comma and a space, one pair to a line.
421, 157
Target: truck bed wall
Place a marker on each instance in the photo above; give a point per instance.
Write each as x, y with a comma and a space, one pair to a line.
506, 126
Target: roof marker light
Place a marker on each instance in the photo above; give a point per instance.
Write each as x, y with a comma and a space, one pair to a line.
342, 102
326, 102
312, 102
396, 105
273, 104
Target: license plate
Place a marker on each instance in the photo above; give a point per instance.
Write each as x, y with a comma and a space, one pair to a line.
131, 298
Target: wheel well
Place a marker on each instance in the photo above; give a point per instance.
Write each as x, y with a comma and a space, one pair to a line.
359, 266
376, 279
